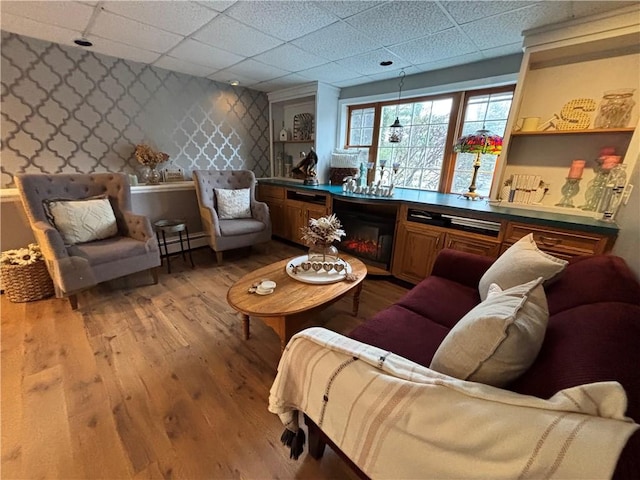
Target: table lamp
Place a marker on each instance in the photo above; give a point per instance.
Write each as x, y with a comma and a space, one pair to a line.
481, 142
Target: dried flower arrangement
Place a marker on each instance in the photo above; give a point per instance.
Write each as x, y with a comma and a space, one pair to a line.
22, 256
322, 231
148, 156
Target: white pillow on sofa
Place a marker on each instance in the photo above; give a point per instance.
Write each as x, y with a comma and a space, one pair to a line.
234, 203
520, 263
80, 221
499, 339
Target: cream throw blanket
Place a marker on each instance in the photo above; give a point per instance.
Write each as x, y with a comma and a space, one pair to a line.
397, 419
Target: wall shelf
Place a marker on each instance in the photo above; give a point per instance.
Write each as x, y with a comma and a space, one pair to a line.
574, 132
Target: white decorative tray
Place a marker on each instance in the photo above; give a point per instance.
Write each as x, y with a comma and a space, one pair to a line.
318, 277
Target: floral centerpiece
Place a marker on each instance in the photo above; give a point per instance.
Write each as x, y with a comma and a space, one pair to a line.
148, 157
24, 274
320, 234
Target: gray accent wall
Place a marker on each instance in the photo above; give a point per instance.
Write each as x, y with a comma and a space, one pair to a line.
69, 110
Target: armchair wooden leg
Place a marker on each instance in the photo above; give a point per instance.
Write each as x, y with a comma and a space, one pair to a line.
73, 301
219, 257
154, 274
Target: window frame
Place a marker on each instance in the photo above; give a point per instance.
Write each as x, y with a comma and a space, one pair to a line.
456, 120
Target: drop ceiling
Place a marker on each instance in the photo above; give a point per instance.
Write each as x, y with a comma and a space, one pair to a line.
269, 45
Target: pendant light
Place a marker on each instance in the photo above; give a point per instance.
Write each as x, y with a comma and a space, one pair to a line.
395, 129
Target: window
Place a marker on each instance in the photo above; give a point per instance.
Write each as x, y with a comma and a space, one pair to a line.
488, 111
424, 159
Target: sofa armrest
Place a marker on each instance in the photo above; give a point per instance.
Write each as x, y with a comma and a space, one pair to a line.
210, 221
138, 226
260, 212
50, 241
461, 267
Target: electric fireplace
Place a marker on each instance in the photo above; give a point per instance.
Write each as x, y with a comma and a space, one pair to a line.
369, 237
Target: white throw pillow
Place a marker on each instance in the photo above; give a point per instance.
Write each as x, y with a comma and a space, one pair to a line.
233, 203
499, 339
80, 221
520, 263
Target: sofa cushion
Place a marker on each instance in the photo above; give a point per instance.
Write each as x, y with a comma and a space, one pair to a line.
233, 203
589, 343
241, 226
80, 221
109, 250
440, 300
497, 340
402, 332
588, 280
522, 262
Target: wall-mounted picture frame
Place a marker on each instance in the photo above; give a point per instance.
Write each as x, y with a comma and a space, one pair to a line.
173, 175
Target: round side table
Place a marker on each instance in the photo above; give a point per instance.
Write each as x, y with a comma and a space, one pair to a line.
172, 226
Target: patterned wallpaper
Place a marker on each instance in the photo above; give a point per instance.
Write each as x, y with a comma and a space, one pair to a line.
68, 110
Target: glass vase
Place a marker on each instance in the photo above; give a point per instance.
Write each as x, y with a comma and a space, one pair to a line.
615, 108
154, 176
323, 253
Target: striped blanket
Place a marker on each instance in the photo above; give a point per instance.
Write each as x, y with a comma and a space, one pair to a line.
397, 419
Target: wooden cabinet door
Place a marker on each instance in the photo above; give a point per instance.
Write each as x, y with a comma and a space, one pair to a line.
315, 211
472, 244
278, 220
294, 219
415, 251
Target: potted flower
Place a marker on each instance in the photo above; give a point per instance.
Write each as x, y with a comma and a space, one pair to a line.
319, 235
24, 274
148, 157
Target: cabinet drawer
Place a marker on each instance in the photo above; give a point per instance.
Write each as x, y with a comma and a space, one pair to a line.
266, 192
472, 244
561, 241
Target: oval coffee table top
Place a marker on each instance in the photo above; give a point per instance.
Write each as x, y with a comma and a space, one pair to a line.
290, 296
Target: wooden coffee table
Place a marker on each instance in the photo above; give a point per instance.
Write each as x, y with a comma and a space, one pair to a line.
289, 306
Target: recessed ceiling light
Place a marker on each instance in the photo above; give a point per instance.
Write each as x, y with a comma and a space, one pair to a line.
235, 83
83, 42
386, 63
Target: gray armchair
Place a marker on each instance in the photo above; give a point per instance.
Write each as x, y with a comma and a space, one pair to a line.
228, 234
77, 267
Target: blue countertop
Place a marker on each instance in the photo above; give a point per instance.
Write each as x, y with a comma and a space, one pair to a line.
457, 204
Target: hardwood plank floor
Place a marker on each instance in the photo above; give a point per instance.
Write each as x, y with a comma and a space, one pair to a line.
154, 381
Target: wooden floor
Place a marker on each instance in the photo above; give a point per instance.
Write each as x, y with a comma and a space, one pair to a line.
154, 381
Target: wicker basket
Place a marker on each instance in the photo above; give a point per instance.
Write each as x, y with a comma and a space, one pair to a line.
26, 283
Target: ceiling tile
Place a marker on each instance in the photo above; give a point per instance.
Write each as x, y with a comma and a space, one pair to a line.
485, 34
31, 28
450, 62
351, 82
329, 72
227, 33
469, 11
252, 69
502, 50
279, 83
178, 65
124, 30
395, 22
284, 20
582, 8
217, 5
120, 50
290, 58
225, 76
336, 41
71, 15
395, 73
347, 8
201, 54
177, 17
369, 63
450, 43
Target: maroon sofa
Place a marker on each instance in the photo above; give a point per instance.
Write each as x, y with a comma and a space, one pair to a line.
593, 332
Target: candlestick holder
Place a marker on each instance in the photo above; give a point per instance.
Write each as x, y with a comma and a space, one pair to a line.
569, 190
